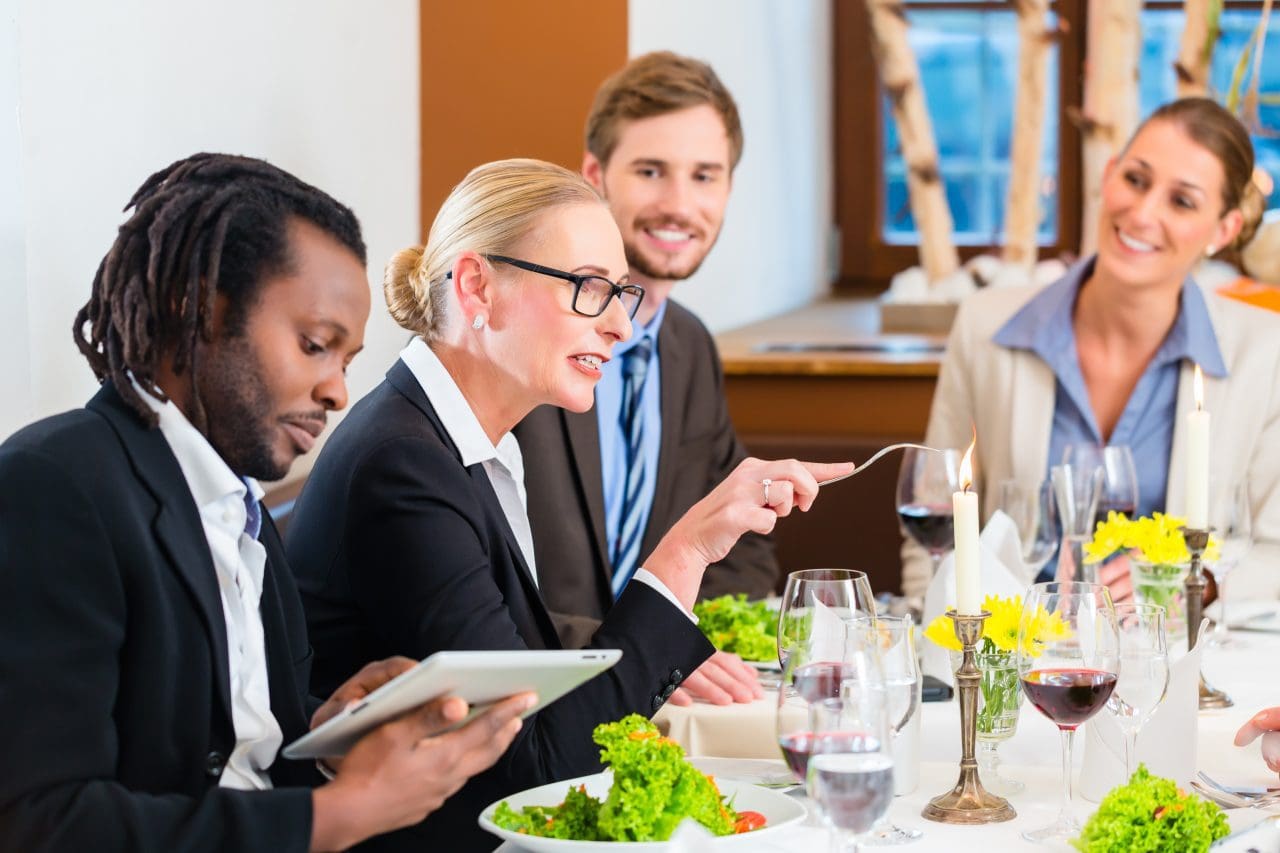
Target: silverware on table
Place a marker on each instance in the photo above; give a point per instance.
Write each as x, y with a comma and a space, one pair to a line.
881, 452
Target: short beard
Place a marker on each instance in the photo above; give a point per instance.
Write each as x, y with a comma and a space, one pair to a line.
237, 408
640, 265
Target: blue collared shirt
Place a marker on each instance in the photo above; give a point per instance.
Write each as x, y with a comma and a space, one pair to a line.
613, 441
1043, 326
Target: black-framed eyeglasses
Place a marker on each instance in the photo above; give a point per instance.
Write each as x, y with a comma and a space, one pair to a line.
591, 293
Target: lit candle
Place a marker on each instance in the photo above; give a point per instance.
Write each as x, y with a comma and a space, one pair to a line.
1198, 460
964, 505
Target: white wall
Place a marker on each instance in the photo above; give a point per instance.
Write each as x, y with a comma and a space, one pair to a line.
110, 92
776, 59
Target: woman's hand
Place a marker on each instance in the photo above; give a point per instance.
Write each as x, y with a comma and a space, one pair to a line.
741, 503
1264, 724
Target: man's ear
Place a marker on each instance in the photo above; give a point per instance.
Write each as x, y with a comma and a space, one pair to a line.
593, 171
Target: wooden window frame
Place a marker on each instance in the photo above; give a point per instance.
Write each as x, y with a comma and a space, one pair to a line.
867, 261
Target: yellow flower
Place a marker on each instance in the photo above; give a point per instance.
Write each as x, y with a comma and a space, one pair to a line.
1002, 627
1108, 538
943, 633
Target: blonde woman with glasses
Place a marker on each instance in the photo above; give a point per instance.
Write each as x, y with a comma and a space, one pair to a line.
412, 536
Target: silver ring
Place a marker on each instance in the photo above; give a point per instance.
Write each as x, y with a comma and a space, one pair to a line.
766, 482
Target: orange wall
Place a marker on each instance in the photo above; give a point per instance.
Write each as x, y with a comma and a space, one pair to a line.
510, 78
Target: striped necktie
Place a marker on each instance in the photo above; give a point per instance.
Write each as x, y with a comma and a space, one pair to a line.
626, 548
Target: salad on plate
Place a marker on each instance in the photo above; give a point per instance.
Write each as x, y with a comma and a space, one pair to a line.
749, 629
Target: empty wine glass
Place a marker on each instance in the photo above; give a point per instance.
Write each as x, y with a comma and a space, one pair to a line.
926, 482
1068, 657
843, 593
1143, 675
850, 770
1034, 512
894, 637
1231, 520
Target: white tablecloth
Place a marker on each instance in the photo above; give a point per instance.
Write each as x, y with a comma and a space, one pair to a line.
1247, 672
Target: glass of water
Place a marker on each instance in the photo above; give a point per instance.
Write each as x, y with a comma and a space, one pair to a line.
850, 772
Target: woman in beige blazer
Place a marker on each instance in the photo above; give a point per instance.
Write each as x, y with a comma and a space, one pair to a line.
1027, 366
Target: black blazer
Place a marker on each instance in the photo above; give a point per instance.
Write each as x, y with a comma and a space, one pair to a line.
115, 710
400, 549
699, 449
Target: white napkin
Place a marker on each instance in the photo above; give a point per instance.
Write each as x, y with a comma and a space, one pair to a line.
827, 633
1166, 744
1002, 573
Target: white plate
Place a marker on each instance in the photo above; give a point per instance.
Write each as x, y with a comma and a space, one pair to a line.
1260, 837
765, 772
779, 810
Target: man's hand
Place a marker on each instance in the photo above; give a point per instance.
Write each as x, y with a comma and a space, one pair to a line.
722, 679
405, 769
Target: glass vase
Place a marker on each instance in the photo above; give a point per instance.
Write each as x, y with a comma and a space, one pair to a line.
999, 698
1162, 584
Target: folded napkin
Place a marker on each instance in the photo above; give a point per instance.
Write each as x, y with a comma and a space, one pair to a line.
1002, 573
1166, 744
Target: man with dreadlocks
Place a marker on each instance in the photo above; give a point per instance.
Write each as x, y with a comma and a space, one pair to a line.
155, 655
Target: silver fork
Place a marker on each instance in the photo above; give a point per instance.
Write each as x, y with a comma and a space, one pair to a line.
1253, 797
881, 452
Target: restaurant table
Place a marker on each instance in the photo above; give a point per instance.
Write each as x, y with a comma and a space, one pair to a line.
1246, 670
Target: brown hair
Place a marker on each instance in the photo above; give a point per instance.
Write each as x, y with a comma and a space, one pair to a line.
1212, 127
494, 207
655, 84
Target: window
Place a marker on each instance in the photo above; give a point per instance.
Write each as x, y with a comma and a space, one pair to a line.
968, 55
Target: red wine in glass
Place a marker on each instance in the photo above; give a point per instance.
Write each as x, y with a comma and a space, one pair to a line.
1069, 696
798, 746
814, 682
932, 527
1105, 507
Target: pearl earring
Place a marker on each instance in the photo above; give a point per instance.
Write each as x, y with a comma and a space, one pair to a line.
477, 323
1210, 250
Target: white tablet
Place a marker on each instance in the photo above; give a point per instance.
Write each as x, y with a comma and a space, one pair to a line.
480, 678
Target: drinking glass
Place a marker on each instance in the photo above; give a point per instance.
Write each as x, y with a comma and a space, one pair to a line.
1076, 492
894, 637
850, 771
815, 670
1143, 675
1232, 524
1034, 513
1068, 659
926, 482
839, 593
1119, 477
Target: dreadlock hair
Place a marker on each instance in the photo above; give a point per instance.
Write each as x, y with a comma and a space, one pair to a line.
207, 224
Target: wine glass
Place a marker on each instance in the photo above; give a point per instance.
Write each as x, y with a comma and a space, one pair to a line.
1076, 494
894, 637
1119, 477
1068, 659
816, 667
1232, 523
926, 482
1143, 675
839, 593
1034, 513
850, 770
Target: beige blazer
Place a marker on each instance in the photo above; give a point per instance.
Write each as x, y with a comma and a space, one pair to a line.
1008, 395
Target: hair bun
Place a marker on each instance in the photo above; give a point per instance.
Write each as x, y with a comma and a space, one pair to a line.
405, 291
1253, 204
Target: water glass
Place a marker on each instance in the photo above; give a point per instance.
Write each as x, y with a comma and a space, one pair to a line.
1231, 519
1143, 677
850, 770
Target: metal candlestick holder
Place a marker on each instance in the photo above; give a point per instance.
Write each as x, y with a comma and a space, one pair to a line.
968, 802
1197, 540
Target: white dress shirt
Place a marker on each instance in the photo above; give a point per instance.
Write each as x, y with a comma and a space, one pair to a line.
238, 560
503, 464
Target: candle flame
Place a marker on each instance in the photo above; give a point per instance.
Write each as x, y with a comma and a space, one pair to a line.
966, 466
1199, 389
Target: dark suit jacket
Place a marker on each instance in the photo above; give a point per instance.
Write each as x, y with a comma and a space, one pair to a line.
115, 709
400, 549
699, 448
